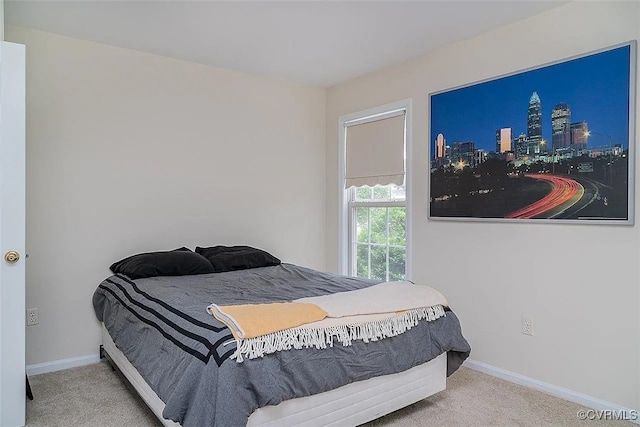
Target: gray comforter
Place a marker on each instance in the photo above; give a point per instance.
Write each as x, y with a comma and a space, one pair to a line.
162, 326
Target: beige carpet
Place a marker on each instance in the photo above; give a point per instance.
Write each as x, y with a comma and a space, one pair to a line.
95, 396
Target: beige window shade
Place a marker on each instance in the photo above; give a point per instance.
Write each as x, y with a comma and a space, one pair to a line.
375, 153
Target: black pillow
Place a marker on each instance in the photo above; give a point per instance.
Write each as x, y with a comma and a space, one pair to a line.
229, 258
179, 262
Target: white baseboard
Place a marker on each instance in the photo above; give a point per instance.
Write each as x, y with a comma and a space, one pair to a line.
563, 393
59, 365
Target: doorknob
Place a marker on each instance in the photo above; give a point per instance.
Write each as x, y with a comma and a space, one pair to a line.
12, 257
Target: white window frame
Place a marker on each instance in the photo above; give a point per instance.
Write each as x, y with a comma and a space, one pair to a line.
370, 115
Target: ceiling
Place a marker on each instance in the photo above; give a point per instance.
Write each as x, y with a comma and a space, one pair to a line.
315, 42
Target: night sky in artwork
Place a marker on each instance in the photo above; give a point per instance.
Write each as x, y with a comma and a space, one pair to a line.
596, 88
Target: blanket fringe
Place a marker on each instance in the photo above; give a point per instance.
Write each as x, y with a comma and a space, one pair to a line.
300, 337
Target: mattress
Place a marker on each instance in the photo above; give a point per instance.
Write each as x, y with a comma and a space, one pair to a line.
182, 353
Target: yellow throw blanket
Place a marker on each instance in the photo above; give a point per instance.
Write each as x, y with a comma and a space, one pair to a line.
253, 320
369, 314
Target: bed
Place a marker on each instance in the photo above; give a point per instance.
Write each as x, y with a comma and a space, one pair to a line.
180, 359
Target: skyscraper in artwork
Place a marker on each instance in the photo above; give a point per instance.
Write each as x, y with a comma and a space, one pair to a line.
579, 133
440, 146
560, 126
522, 148
534, 124
504, 140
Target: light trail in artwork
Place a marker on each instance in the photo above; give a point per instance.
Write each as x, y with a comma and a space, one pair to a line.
564, 193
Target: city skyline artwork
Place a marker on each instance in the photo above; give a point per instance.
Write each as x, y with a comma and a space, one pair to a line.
551, 144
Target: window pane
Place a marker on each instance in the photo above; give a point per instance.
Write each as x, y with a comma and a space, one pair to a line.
397, 261
386, 192
397, 193
362, 261
363, 193
379, 262
381, 193
378, 225
397, 226
379, 238
362, 225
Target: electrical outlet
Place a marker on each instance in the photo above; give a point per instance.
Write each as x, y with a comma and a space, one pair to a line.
32, 317
527, 326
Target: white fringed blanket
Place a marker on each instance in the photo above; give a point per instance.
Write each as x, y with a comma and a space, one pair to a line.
369, 314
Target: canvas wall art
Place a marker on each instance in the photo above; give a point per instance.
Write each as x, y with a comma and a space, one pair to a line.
550, 144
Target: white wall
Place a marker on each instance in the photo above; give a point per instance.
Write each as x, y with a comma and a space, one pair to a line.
130, 152
586, 316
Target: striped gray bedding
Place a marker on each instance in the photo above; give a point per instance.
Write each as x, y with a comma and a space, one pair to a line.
162, 326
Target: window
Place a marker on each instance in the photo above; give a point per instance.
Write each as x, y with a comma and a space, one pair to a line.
374, 221
377, 229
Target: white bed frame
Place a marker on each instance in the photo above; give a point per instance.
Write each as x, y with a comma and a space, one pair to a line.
350, 405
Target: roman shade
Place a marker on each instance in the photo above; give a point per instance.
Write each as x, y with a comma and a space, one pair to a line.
375, 152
